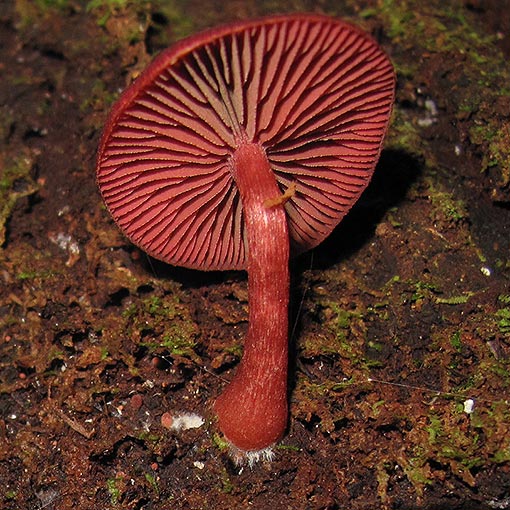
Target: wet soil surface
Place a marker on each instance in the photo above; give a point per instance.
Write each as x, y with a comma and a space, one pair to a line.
401, 320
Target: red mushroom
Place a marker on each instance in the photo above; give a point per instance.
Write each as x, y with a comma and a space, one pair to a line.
237, 147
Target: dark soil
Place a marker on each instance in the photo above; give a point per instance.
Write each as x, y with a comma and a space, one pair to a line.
400, 318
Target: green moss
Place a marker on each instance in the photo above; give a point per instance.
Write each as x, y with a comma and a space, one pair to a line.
454, 300
130, 312
422, 290
98, 97
398, 18
30, 12
456, 342
113, 490
287, 447
449, 29
220, 442
434, 428
178, 344
496, 136
451, 444
152, 482
168, 316
10, 494
446, 206
181, 24
150, 437
314, 390
7, 121
376, 346
140, 12
503, 320
502, 456
53, 4
235, 349
504, 298
112, 5
104, 353
417, 472
338, 386
438, 26
104, 9
15, 183
404, 135
37, 274
226, 483
335, 339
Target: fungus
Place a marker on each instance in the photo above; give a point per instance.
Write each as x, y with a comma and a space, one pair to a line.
237, 148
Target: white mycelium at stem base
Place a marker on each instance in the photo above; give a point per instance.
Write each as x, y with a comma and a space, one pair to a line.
252, 411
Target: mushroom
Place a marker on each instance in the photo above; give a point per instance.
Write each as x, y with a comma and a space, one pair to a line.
236, 148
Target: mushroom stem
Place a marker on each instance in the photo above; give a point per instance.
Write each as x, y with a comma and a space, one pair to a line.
252, 411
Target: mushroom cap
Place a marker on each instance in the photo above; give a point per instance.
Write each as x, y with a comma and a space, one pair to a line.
314, 92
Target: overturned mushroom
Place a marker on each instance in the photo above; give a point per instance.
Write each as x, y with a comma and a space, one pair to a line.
236, 148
